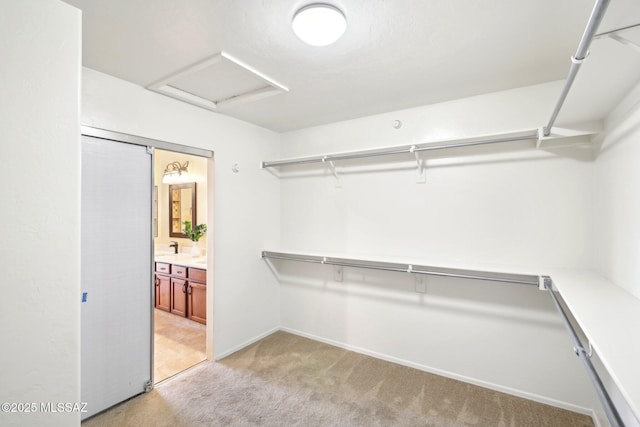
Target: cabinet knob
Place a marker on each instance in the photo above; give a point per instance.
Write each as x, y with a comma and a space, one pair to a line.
189, 289
184, 288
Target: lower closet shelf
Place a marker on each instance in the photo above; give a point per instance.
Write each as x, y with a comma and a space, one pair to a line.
609, 316
604, 311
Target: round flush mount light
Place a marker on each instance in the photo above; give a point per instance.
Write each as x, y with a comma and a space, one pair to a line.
319, 24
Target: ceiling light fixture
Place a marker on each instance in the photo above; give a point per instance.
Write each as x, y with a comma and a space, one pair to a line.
319, 24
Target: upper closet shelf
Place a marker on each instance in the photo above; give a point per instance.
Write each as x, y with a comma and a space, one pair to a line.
537, 135
540, 135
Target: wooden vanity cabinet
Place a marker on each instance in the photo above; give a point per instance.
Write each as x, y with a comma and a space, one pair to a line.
182, 291
179, 297
197, 295
163, 292
163, 268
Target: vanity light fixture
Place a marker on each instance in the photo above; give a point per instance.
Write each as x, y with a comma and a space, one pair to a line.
175, 173
319, 24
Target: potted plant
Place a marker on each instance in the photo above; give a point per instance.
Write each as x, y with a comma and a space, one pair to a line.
194, 233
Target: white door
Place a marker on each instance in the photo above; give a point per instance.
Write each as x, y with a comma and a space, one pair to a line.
116, 272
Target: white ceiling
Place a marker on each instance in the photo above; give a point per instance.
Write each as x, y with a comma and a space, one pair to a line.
394, 55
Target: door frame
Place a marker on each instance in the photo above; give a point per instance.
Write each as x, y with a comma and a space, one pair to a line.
152, 144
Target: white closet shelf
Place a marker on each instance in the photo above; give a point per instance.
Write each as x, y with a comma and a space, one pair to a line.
609, 316
606, 313
560, 135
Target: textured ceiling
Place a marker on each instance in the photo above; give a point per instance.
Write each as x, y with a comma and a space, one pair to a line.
394, 54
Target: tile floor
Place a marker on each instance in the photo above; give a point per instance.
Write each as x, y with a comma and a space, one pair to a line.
179, 343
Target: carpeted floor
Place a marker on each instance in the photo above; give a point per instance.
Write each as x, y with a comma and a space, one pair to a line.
286, 380
179, 343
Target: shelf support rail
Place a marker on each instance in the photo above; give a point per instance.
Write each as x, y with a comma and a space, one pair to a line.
582, 52
408, 149
522, 279
585, 357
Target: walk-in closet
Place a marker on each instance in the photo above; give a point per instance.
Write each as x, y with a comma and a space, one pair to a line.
237, 213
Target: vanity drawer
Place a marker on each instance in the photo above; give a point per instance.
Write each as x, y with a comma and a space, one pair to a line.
162, 267
198, 275
178, 270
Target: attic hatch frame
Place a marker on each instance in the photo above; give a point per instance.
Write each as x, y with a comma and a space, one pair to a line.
271, 87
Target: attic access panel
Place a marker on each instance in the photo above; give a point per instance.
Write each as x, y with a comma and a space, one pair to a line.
217, 81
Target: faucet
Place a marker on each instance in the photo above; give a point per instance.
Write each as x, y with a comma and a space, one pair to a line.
174, 245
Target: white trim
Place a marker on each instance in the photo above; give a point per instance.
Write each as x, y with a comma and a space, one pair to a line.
182, 95
163, 86
239, 347
268, 80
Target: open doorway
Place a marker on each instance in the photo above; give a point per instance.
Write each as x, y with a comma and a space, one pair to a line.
180, 262
123, 205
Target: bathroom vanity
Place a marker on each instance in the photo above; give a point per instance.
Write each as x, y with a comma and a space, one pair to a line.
181, 285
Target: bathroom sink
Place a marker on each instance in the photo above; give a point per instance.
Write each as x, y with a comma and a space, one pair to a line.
163, 253
182, 258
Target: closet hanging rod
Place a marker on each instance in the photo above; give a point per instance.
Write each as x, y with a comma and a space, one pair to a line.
608, 405
597, 14
521, 279
405, 149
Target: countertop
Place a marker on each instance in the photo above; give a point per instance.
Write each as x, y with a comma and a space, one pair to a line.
185, 260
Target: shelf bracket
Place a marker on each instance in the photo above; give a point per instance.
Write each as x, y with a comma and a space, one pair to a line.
540, 137
334, 171
338, 273
544, 283
625, 41
421, 170
421, 286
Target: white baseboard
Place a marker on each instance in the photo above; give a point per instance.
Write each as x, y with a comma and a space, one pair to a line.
596, 420
224, 354
447, 374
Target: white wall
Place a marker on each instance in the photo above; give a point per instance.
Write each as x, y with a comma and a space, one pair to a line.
617, 209
514, 206
40, 216
246, 205
617, 189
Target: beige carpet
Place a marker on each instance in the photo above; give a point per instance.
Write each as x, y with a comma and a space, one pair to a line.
179, 343
286, 380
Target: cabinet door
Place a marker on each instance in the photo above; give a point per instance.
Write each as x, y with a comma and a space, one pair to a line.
198, 302
179, 297
163, 292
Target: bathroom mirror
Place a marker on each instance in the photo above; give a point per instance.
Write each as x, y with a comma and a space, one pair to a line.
182, 207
